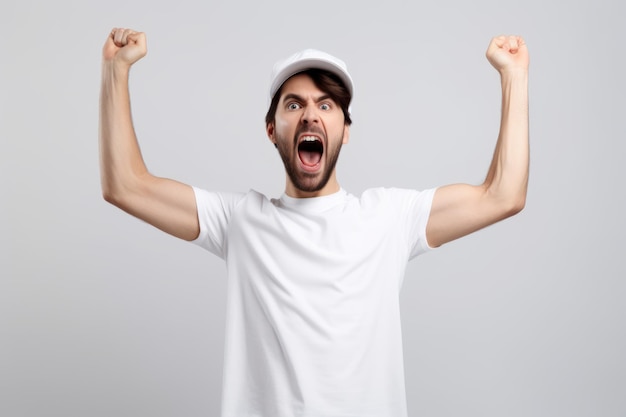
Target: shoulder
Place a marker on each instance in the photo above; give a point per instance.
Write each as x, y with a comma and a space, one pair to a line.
251, 201
392, 195
205, 198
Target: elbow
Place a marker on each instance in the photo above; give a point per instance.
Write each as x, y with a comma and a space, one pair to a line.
122, 194
111, 197
107, 187
117, 191
112, 194
507, 202
514, 205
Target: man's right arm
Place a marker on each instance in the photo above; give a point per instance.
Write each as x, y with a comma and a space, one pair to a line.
126, 183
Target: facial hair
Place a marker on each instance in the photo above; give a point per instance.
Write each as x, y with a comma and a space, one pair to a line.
305, 181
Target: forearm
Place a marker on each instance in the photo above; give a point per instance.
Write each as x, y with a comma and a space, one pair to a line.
507, 179
121, 162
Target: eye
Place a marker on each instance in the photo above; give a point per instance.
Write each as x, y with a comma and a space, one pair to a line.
293, 106
325, 106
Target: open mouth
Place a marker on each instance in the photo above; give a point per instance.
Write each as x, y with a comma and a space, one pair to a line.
310, 151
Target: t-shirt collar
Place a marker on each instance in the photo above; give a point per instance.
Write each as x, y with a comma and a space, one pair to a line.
314, 203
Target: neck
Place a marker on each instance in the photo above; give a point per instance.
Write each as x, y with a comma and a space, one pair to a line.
331, 187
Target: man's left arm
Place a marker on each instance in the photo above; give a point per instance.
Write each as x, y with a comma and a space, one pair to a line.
460, 209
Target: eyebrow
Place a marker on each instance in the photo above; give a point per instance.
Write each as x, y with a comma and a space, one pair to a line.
292, 96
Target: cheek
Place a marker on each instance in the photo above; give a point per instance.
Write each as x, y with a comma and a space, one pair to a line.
281, 122
281, 125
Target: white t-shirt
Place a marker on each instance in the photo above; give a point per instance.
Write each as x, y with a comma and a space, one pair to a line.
313, 315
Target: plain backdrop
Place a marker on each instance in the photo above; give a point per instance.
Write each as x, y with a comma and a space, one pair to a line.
102, 315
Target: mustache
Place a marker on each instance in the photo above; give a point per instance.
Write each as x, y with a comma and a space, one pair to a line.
309, 129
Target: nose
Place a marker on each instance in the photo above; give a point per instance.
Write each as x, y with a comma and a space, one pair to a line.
310, 114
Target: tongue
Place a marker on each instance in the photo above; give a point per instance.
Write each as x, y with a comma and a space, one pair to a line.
310, 158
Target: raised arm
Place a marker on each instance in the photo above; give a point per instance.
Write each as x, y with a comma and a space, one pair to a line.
126, 182
461, 209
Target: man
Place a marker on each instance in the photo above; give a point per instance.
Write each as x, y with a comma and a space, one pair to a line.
313, 326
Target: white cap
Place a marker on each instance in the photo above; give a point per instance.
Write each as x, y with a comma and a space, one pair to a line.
308, 59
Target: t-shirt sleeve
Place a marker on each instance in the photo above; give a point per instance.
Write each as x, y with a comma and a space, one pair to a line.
415, 209
214, 214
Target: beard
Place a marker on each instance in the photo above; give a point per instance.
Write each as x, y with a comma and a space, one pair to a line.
306, 181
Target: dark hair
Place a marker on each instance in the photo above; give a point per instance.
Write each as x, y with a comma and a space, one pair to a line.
326, 81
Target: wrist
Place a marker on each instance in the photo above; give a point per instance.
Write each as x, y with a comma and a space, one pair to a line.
517, 79
115, 68
514, 73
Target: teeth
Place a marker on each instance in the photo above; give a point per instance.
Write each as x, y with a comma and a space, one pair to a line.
309, 139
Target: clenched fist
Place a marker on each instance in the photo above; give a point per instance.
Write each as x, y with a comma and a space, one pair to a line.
508, 53
124, 46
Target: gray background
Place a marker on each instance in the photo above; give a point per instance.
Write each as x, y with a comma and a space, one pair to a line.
101, 315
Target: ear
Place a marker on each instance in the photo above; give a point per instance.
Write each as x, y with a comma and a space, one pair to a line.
269, 129
346, 134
